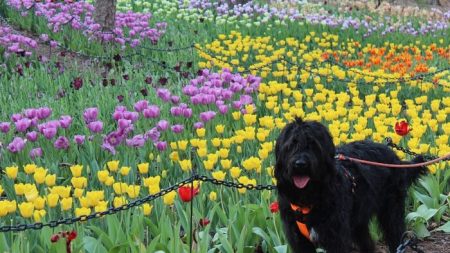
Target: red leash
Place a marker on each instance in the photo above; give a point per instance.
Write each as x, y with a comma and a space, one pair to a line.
414, 165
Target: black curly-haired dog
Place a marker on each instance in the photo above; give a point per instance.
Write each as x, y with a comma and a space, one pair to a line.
328, 203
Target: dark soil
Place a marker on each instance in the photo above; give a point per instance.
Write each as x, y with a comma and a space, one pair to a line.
438, 242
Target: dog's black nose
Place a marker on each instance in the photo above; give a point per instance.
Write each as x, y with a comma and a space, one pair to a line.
300, 163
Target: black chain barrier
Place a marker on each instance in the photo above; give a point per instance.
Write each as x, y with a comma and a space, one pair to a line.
409, 239
390, 143
113, 210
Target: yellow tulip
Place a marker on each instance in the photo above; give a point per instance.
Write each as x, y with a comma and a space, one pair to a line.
147, 208
153, 189
186, 165
235, 172
200, 132
83, 211
76, 170
226, 163
213, 196
152, 181
38, 214
216, 142
101, 206
31, 193
218, 175
78, 192
125, 170
113, 166
202, 152
52, 199
39, 175
182, 145
120, 188
26, 209
79, 182
143, 168
11, 172
119, 201
169, 198
50, 180
209, 165
30, 168
39, 203
220, 128
66, 204
133, 191
102, 175
109, 181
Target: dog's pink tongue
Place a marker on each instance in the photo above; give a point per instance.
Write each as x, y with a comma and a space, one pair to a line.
301, 181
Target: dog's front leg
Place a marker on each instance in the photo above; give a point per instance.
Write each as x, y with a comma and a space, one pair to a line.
298, 242
334, 234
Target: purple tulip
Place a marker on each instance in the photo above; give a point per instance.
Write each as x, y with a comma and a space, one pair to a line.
118, 115
237, 105
17, 145
153, 134
30, 113
4, 127
43, 113
79, 139
124, 123
95, 126
65, 121
198, 125
164, 94
137, 141
90, 114
176, 111
223, 109
175, 99
162, 125
114, 138
187, 112
133, 116
207, 116
34, 122
108, 147
141, 105
32, 136
152, 112
120, 108
177, 128
49, 132
161, 145
16, 117
61, 143
35, 152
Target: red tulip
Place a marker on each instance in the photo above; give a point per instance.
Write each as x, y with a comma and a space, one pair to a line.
54, 238
203, 222
402, 128
274, 208
186, 193
71, 235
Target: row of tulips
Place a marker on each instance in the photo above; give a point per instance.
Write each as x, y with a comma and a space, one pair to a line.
207, 95
253, 14
131, 29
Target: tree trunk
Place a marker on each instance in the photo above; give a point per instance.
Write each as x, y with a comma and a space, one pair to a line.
105, 14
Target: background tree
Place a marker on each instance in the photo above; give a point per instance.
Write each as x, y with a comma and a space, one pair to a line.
105, 14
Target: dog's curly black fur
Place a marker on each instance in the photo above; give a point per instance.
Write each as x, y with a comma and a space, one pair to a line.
339, 217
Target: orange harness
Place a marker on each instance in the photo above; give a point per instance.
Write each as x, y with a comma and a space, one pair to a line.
302, 226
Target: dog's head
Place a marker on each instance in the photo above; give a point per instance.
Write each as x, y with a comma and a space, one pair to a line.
304, 154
